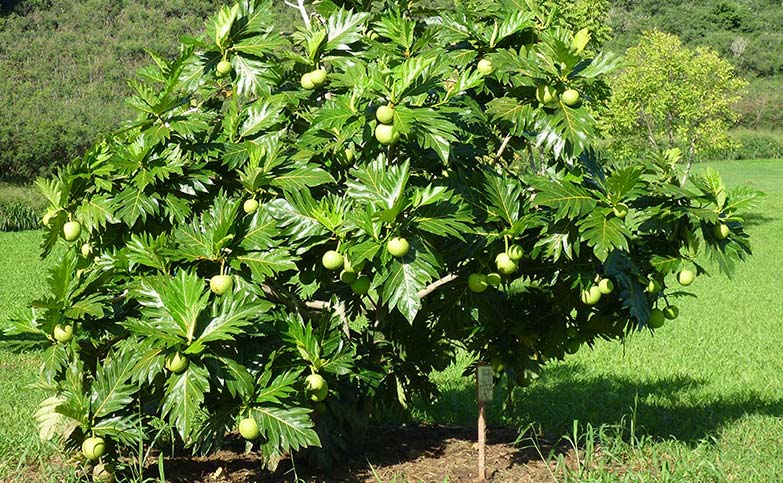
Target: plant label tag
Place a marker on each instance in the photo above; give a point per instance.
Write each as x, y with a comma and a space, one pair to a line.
484, 375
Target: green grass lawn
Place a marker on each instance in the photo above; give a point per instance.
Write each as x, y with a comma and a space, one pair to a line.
703, 397
24, 280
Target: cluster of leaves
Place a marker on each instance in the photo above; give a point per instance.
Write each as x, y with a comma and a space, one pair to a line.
252, 175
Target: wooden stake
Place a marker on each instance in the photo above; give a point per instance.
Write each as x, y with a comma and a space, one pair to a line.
482, 442
484, 375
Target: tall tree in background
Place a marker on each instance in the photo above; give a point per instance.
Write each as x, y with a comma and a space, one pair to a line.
671, 96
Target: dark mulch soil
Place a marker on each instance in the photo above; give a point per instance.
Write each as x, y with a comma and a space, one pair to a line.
407, 454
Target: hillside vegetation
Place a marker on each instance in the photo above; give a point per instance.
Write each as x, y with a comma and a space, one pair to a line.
748, 33
64, 67
65, 63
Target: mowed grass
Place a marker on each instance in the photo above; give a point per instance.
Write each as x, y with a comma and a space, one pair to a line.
700, 400
24, 276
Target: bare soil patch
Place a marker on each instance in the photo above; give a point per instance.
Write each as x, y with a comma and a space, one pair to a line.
401, 454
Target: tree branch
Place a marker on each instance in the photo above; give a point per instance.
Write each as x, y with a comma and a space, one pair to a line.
435, 285
503, 147
650, 132
288, 300
339, 310
302, 10
318, 304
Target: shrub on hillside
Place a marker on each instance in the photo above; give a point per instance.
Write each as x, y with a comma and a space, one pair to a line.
762, 107
21, 208
64, 66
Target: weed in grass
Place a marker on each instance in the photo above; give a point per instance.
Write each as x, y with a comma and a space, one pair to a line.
21, 208
16, 216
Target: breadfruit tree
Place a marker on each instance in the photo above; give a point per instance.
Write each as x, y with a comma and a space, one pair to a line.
298, 224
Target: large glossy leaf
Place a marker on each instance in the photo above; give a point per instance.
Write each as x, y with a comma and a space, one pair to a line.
566, 132
286, 429
184, 397
261, 115
51, 422
567, 199
504, 198
96, 212
300, 177
133, 205
404, 280
276, 390
230, 315
205, 237
260, 232
254, 77
146, 250
267, 263
123, 429
379, 184
344, 28
110, 390
604, 233
178, 300
260, 45
232, 374
299, 219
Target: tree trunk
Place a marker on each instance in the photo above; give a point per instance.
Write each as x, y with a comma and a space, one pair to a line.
650, 132
691, 154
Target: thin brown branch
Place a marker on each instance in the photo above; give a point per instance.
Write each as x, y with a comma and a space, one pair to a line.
435, 285
650, 133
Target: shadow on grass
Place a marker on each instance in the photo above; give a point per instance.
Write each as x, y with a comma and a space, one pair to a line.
663, 409
756, 219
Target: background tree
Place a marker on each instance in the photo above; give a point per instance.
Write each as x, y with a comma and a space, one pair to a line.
668, 95
745, 32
